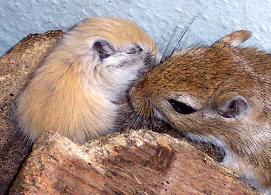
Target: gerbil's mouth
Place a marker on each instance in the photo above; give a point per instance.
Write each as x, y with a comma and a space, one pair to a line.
214, 151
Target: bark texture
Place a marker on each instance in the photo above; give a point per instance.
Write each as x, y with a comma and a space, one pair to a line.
134, 162
15, 69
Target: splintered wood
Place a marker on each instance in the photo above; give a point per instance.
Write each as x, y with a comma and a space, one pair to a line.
15, 69
135, 162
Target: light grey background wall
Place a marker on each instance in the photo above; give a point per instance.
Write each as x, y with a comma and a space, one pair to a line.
18, 18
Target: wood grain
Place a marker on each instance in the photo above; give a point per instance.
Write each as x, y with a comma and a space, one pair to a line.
135, 162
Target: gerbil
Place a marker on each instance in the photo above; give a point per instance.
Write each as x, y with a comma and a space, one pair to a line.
74, 92
220, 95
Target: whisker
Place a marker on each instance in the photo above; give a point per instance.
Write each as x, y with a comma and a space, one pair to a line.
183, 33
170, 41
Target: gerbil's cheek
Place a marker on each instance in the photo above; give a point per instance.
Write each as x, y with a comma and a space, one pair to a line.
114, 62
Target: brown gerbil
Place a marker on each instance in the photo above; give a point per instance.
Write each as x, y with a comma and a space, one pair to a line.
220, 95
75, 90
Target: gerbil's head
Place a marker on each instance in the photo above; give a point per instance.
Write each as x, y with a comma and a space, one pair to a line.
218, 92
111, 49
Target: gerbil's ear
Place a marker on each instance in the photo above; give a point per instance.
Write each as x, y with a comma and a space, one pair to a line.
103, 48
234, 39
233, 107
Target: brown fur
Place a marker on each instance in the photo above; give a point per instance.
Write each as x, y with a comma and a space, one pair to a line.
209, 76
71, 92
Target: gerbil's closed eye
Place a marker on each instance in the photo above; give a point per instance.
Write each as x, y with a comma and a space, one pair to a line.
103, 48
135, 49
233, 107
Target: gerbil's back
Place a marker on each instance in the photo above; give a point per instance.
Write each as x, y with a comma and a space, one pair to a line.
59, 100
259, 60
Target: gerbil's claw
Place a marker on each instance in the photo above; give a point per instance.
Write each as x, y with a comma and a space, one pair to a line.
234, 39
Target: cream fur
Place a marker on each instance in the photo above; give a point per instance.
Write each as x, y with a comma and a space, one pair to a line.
73, 92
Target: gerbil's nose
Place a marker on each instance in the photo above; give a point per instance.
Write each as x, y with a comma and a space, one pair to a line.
181, 107
149, 60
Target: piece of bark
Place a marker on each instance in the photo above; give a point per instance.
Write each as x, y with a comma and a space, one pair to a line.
135, 162
15, 68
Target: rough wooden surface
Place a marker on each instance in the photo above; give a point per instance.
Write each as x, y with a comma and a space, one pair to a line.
15, 68
135, 162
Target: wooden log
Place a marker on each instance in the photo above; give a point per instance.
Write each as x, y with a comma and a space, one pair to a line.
134, 162
15, 69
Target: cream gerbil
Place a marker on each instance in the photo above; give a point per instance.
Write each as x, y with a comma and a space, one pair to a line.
74, 90
220, 95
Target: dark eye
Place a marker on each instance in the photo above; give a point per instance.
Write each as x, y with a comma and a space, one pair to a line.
134, 50
181, 107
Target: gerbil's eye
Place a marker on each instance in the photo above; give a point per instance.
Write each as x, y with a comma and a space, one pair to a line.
134, 50
233, 107
181, 107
